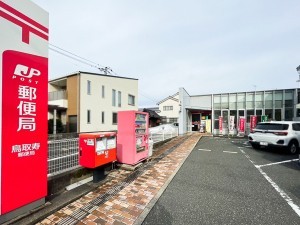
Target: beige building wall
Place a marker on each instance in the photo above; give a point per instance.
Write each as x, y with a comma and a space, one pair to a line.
73, 86
72, 95
96, 103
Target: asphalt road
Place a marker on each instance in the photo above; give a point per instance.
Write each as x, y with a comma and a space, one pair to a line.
224, 181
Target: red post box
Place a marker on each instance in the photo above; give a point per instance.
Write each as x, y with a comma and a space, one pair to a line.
97, 149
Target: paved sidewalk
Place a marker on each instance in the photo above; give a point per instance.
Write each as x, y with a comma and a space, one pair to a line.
129, 196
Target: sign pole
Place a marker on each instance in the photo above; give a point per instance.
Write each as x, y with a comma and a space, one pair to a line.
24, 106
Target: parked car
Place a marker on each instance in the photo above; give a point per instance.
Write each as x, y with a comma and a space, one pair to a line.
279, 134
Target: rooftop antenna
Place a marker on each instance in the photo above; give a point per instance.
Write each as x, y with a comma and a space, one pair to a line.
106, 70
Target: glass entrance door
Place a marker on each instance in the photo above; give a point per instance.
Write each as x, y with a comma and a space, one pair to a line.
225, 115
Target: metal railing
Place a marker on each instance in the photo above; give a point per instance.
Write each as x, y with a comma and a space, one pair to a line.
62, 156
63, 149
60, 136
57, 95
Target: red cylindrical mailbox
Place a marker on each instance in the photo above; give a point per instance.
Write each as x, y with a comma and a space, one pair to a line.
97, 149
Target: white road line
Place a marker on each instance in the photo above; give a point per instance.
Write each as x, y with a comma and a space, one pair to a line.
284, 195
271, 164
246, 147
229, 152
281, 192
205, 150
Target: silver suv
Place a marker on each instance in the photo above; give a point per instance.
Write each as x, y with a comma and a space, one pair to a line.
283, 134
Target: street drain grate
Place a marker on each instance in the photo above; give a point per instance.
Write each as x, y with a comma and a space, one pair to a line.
89, 208
79, 214
68, 221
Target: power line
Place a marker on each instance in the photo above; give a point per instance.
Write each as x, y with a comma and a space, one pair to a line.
152, 100
71, 57
75, 55
106, 70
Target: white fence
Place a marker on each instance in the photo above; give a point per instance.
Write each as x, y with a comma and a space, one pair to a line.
162, 133
63, 154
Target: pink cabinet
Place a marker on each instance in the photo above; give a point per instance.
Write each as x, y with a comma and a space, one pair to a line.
132, 138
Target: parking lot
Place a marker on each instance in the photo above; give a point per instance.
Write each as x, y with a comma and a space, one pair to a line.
280, 169
225, 181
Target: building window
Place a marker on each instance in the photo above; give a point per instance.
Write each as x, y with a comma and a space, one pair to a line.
102, 118
163, 119
88, 87
113, 97
269, 100
241, 113
131, 100
259, 114
114, 118
103, 91
173, 120
232, 101
224, 101
289, 114
249, 113
168, 108
241, 100
88, 116
217, 101
288, 99
278, 100
269, 113
119, 98
278, 114
250, 100
259, 100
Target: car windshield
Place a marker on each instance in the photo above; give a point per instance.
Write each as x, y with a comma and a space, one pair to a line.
272, 126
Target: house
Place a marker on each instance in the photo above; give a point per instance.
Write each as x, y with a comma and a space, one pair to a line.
169, 108
87, 102
154, 118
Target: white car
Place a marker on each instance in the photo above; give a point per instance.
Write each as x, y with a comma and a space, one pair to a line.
279, 134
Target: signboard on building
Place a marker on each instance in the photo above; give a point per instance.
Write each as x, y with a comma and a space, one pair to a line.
24, 104
253, 122
264, 118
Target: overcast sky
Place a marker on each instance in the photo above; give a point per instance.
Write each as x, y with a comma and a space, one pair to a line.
211, 46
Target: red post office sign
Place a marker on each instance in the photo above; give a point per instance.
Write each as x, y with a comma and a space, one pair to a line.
220, 124
24, 103
253, 122
242, 124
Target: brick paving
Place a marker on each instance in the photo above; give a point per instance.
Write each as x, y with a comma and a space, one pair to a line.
120, 202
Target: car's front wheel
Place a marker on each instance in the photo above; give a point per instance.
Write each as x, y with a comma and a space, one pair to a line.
293, 147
